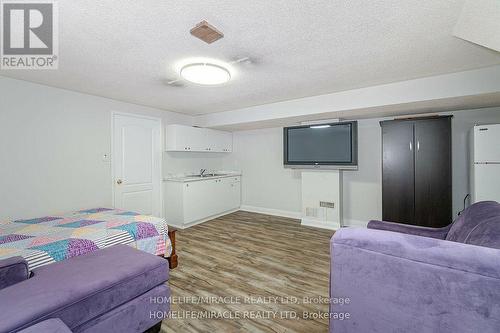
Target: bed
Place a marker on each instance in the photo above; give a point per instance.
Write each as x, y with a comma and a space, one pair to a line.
49, 239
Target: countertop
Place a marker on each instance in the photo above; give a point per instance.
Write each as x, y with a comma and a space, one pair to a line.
185, 179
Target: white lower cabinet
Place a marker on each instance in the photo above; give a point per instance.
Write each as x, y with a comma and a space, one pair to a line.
189, 203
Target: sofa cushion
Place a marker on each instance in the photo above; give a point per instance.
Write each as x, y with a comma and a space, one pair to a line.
81, 288
478, 225
54, 325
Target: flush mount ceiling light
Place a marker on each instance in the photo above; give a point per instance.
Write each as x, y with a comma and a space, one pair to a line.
205, 73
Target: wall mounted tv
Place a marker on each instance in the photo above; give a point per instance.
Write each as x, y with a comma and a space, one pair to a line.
324, 146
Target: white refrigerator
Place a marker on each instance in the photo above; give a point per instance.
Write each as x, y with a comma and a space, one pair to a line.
485, 169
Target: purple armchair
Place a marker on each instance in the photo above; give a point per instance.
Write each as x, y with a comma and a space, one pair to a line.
117, 289
400, 278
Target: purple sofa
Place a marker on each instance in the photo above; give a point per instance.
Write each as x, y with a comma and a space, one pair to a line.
400, 278
117, 289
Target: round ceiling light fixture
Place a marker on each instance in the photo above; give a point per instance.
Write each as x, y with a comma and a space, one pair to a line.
205, 73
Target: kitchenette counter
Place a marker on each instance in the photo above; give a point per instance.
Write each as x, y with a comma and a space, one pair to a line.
191, 199
196, 178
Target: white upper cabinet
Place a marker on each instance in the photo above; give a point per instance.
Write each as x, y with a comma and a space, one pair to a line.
184, 138
221, 141
188, 138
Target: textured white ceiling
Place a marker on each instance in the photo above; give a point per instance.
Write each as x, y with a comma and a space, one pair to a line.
126, 50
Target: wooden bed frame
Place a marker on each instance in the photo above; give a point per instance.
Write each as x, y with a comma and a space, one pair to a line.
172, 260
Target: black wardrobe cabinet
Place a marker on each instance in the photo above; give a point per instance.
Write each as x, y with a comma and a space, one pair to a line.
416, 171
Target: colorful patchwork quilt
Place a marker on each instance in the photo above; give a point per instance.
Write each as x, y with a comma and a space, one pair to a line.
49, 239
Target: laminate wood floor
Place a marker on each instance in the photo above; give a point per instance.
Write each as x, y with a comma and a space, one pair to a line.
250, 273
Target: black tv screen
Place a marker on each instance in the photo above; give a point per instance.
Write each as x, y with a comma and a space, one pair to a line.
333, 145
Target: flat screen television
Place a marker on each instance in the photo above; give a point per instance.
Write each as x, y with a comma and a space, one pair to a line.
327, 146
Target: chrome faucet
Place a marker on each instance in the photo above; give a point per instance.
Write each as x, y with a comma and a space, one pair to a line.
202, 171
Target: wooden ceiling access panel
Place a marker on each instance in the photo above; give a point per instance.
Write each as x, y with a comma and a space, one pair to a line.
206, 32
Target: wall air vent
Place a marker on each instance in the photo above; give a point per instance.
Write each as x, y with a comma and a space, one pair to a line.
326, 204
206, 32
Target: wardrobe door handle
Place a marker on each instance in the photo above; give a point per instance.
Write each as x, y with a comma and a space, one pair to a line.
411, 146
418, 145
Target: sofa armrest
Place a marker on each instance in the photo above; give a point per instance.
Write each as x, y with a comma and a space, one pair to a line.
12, 271
406, 283
439, 233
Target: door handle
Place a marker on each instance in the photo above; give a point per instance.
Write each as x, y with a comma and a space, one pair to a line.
411, 146
418, 145
119, 181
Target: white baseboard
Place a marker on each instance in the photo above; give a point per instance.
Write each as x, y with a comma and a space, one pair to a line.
271, 211
355, 223
191, 224
298, 216
319, 224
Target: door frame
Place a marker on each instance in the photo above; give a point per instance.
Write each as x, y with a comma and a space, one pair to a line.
162, 141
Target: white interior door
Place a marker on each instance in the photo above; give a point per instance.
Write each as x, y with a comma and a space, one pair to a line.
137, 164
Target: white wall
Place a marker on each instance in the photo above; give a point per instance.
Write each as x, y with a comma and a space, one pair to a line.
363, 188
191, 162
266, 184
51, 147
